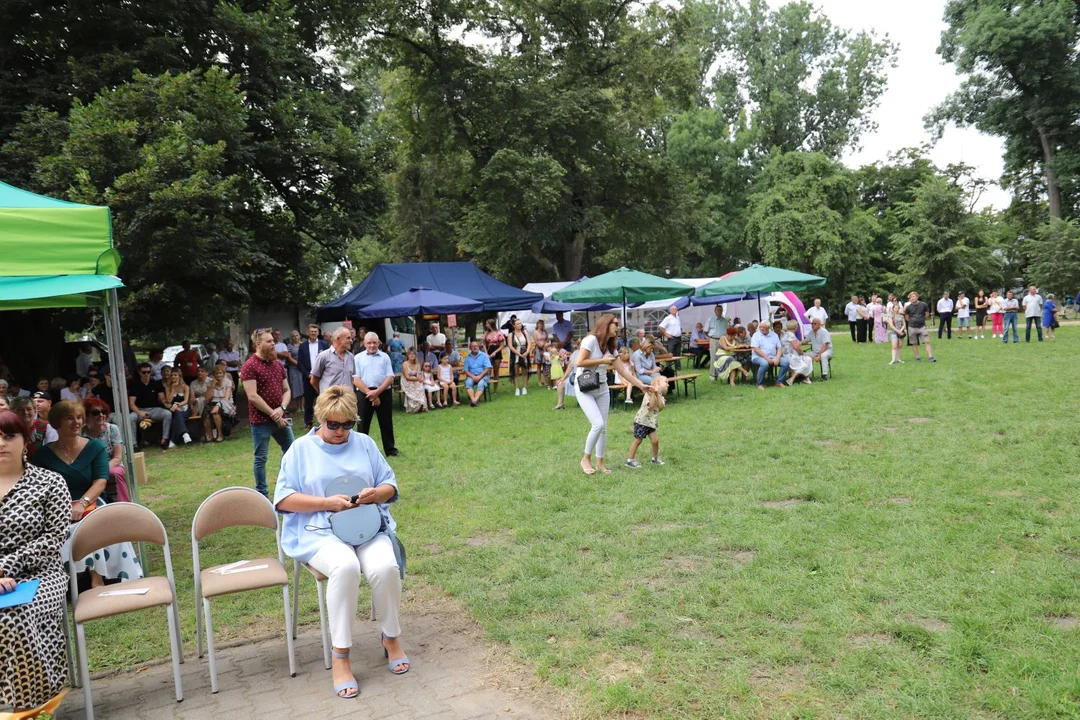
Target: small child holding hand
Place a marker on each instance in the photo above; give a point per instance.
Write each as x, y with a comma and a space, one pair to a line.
647, 420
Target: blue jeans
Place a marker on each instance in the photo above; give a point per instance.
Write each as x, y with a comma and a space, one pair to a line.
1038, 327
1010, 319
260, 436
763, 367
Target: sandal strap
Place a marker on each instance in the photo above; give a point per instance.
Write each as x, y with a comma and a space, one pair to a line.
340, 656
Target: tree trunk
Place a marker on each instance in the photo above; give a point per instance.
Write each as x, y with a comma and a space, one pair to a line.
575, 255
1053, 190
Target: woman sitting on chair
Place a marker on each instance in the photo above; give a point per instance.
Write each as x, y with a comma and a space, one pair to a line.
34, 514
329, 452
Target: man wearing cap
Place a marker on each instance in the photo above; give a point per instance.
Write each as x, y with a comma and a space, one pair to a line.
42, 404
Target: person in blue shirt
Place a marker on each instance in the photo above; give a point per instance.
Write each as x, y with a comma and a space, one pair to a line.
311, 463
477, 372
1049, 318
766, 353
397, 352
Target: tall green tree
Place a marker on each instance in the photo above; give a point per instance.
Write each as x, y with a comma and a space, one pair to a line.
804, 215
943, 245
298, 178
1053, 257
1022, 62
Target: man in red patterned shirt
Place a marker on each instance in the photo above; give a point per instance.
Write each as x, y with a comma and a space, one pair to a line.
267, 388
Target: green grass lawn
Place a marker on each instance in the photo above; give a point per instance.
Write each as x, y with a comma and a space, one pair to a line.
925, 565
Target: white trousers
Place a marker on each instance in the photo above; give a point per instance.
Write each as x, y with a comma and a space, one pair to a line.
595, 406
342, 564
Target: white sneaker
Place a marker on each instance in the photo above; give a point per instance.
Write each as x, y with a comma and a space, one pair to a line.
892, 362
517, 391
900, 361
171, 444
187, 438
524, 391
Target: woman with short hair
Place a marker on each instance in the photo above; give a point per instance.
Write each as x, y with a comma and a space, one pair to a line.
727, 365
800, 366
329, 452
84, 465
99, 428
34, 514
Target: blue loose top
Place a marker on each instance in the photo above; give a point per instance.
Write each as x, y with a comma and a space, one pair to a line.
308, 467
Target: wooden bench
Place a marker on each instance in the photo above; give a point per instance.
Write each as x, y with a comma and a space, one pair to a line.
687, 379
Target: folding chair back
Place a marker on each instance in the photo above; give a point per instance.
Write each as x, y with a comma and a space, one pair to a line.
233, 507
116, 523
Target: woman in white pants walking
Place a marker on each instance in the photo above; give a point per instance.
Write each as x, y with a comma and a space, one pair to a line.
597, 351
331, 451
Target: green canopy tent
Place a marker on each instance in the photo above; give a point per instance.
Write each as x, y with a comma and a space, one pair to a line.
60, 254
622, 286
759, 279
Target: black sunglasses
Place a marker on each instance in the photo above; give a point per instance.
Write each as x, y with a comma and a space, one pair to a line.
332, 425
95, 413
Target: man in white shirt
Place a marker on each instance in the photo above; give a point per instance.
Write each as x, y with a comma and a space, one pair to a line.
820, 346
671, 332
305, 361
963, 315
1033, 303
944, 312
231, 356
562, 332
716, 329
817, 312
280, 349
851, 310
84, 362
373, 377
436, 339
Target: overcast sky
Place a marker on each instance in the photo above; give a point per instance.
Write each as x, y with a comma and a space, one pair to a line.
918, 82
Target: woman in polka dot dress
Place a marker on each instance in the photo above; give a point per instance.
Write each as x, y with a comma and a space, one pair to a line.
34, 515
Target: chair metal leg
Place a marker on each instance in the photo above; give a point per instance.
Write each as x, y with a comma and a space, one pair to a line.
210, 645
289, 632
296, 597
198, 624
174, 608
177, 649
84, 671
322, 623
373, 609
69, 647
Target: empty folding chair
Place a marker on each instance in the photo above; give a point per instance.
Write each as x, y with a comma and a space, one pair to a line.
108, 525
233, 507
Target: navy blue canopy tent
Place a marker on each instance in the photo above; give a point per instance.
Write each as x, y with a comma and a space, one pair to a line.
421, 301
456, 278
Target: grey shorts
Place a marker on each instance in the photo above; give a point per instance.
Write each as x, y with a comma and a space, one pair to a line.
917, 335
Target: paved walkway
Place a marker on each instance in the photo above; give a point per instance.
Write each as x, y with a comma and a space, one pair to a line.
454, 674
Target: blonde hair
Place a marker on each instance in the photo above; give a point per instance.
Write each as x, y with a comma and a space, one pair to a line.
336, 400
660, 383
792, 325
63, 410
624, 354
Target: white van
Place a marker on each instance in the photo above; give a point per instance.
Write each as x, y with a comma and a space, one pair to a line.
385, 328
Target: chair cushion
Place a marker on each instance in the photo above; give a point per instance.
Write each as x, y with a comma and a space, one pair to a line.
92, 606
318, 575
214, 584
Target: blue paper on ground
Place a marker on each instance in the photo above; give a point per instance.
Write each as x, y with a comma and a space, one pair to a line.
23, 593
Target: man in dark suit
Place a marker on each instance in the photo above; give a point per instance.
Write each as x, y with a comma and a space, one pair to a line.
306, 358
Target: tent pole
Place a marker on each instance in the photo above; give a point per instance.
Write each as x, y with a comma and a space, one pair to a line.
120, 395
111, 308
